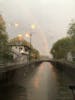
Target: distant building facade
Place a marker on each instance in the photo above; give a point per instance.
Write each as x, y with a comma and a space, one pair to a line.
20, 52
71, 56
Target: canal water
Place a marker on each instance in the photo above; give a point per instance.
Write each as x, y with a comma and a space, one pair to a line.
45, 82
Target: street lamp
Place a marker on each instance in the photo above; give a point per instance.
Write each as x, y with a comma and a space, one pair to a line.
33, 26
28, 35
20, 38
16, 25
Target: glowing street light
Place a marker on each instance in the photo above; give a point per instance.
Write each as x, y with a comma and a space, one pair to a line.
16, 25
20, 37
28, 35
33, 26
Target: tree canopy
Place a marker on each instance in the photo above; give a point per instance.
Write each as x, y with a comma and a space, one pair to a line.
71, 30
65, 45
2, 25
4, 49
61, 47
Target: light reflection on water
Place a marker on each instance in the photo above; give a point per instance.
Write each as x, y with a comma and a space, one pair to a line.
43, 83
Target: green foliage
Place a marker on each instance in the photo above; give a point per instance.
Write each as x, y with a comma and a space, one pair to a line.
35, 53
2, 25
65, 45
71, 30
61, 47
4, 48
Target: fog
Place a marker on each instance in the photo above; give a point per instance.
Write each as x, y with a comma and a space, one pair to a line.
51, 17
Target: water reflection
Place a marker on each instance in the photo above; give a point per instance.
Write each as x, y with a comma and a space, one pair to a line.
44, 82
36, 82
12, 92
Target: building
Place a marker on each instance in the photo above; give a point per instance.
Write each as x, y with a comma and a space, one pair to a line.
20, 52
70, 56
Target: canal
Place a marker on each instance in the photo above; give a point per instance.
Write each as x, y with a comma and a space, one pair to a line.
45, 82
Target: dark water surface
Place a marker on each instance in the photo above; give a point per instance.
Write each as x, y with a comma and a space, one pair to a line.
45, 82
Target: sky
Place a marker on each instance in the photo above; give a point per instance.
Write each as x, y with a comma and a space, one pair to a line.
51, 17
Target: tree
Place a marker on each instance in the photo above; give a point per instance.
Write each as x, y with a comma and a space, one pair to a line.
35, 53
65, 45
2, 25
71, 31
4, 48
61, 48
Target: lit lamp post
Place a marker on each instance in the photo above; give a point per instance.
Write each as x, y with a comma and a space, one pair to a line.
33, 26
20, 38
28, 35
16, 25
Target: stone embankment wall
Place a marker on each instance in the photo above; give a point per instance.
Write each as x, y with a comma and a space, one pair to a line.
16, 73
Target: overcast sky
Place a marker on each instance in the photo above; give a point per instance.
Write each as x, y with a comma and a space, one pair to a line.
51, 17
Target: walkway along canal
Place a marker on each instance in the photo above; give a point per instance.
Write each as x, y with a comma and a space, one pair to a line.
43, 82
